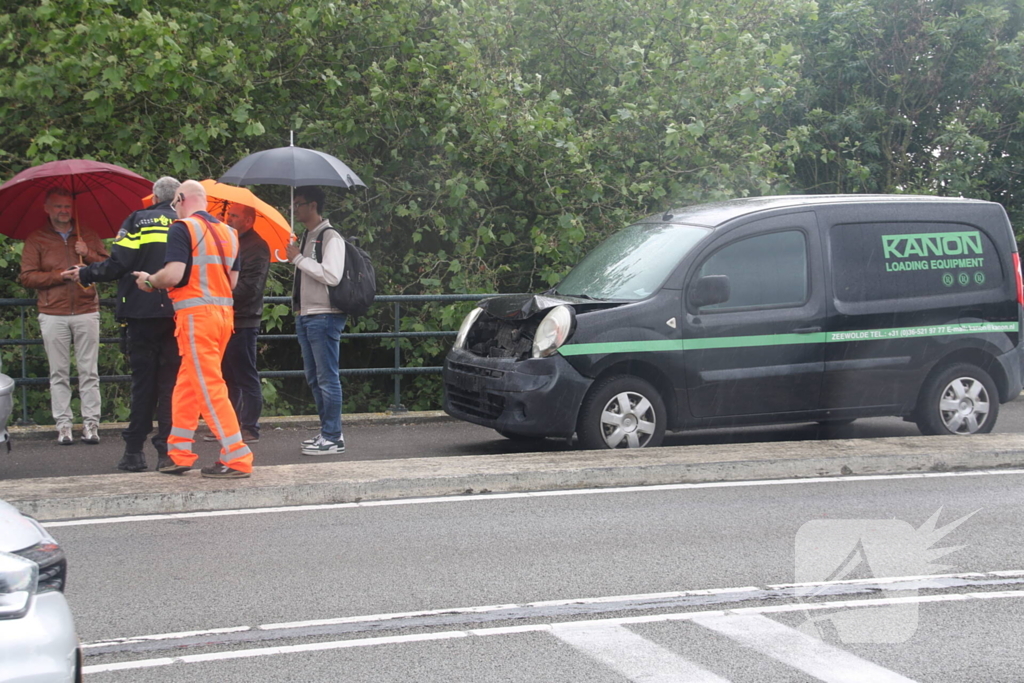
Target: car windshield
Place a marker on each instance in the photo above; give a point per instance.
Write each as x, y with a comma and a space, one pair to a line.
631, 264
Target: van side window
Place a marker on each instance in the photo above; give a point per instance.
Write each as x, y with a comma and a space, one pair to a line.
876, 261
764, 271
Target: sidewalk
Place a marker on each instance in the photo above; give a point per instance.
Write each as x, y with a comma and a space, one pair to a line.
354, 481
113, 429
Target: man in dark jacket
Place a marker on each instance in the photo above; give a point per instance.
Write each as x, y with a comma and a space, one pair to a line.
152, 348
239, 365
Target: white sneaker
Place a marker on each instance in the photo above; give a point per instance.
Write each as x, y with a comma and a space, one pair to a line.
64, 435
90, 433
322, 446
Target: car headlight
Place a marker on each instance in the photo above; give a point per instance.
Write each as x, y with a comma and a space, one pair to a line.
552, 332
18, 580
467, 323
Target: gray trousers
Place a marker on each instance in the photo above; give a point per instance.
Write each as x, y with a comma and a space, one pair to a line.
59, 332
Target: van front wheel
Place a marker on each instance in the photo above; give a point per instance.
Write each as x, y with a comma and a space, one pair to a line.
622, 412
962, 400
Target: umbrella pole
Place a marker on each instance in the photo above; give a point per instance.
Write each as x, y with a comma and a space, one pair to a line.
76, 230
291, 205
291, 188
78, 236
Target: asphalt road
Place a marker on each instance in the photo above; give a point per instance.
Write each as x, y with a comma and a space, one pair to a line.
569, 586
370, 441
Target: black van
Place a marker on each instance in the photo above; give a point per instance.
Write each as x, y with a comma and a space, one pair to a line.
752, 311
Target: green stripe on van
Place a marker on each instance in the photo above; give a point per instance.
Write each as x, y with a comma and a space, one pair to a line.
756, 340
622, 347
785, 339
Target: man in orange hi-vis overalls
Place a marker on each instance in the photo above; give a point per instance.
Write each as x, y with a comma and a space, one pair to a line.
200, 271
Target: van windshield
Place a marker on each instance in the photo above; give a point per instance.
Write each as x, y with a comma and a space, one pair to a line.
631, 264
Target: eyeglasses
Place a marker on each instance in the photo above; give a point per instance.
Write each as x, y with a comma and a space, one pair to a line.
301, 204
177, 200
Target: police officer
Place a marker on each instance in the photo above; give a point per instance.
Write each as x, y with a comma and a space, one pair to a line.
152, 348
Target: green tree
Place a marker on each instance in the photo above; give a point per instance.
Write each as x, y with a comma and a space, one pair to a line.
907, 96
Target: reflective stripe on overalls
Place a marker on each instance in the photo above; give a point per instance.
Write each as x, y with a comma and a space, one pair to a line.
204, 321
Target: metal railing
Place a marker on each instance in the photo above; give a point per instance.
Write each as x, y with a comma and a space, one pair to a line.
396, 370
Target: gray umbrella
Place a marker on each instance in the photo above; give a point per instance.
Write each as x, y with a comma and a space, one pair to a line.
292, 166
295, 166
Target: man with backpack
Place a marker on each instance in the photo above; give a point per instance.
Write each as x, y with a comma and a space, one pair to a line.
319, 261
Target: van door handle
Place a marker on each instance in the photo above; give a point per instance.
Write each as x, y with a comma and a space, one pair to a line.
806, 330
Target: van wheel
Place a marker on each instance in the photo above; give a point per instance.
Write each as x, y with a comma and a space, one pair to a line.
621, 412
962, 399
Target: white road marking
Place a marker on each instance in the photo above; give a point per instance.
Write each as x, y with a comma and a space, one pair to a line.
385, 617
888, 583
633, 656
166, 636
270, 651
494, 608
897, 579
798, 650
528, 494
531, 628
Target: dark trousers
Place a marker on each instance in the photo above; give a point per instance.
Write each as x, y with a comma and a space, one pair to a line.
243, 379
153, 354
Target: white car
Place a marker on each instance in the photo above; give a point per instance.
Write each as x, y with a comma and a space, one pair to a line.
38, 643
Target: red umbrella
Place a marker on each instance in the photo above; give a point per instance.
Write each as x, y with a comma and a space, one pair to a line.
104, 196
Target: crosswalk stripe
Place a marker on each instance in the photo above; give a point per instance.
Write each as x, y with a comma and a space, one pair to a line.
797, 649
633, 656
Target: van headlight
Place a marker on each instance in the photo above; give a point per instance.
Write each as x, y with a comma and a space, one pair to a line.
18, 580
552, 332
467, 324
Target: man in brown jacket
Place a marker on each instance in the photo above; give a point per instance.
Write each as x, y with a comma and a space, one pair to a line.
68, 312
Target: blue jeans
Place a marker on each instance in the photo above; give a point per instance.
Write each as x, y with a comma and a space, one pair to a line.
320, 340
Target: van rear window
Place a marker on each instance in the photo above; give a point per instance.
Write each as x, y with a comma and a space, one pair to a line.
875, 261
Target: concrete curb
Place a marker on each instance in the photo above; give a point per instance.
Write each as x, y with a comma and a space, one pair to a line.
115, 428
344, 482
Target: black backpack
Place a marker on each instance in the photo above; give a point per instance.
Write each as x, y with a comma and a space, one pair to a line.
355, 293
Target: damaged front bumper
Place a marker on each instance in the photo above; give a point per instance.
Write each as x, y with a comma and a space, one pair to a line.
535, 397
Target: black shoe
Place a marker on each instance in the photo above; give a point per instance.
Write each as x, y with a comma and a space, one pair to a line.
133, 462
219, 470
210, 437
167, 466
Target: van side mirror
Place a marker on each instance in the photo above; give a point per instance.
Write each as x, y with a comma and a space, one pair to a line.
709, 290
